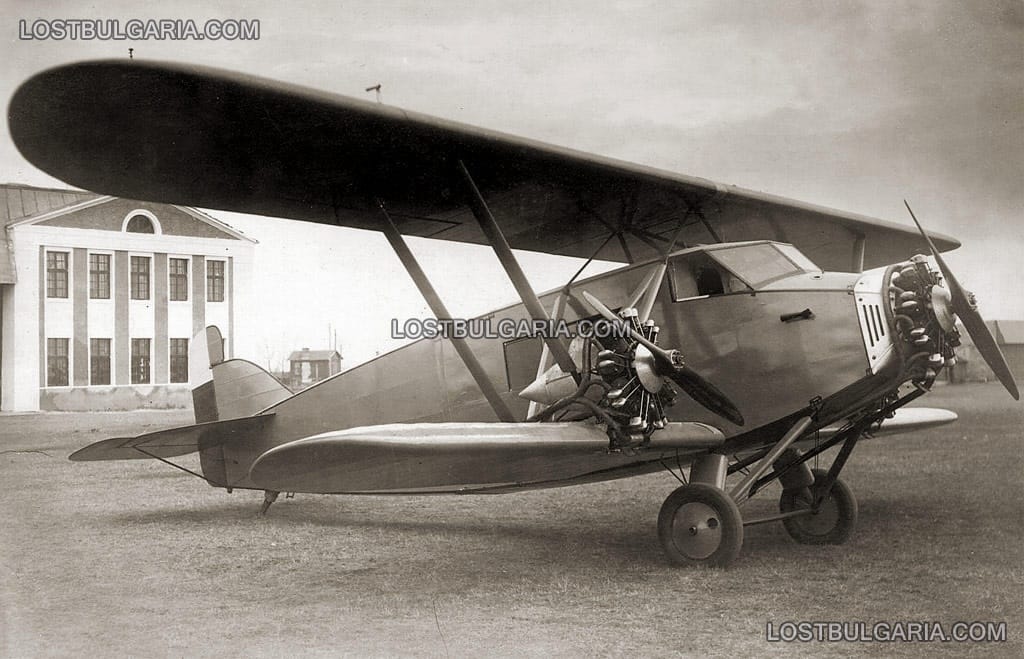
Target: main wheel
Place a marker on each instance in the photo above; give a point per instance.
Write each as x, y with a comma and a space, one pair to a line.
831, 524
700, 525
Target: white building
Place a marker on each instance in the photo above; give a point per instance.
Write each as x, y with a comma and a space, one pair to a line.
100, 296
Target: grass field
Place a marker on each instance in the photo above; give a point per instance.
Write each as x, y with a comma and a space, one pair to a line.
133, 558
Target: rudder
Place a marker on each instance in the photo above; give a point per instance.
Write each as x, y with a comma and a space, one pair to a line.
228, 389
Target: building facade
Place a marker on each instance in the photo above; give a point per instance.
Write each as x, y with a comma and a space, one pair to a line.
101, 297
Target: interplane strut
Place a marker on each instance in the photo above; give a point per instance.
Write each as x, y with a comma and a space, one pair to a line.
440, 311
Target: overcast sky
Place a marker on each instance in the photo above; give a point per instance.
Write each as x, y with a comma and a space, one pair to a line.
851, 105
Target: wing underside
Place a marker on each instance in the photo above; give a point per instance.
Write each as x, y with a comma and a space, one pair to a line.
202, 137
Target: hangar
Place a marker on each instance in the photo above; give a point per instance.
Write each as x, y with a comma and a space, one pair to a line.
1010, 335
101, 296
970, 367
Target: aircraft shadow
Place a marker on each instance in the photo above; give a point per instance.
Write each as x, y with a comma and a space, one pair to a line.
544, 534
629, 537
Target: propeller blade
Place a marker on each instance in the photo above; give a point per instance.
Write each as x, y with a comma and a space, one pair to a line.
667, 364
706, 394
967, 311
599, 307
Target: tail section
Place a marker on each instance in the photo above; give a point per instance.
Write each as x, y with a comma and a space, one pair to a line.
228, 389
228, 396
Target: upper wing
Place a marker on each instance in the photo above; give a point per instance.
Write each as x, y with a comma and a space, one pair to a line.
202, 137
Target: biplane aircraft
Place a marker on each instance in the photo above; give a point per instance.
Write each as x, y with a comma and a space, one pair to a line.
755, 332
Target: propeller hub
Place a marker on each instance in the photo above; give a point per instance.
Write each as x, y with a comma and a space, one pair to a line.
646, 371
942, 307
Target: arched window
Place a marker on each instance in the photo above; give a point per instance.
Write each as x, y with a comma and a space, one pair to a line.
139, 224
141, 220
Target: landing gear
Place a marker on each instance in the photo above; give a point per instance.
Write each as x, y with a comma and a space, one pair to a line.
833, 521
700, 524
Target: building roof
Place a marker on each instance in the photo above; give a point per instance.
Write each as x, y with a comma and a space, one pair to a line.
25, 204
313, 355
1010, 331
20, 201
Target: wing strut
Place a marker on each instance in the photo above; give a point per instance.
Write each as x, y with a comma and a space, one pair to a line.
859, 244
440, 311
508, 260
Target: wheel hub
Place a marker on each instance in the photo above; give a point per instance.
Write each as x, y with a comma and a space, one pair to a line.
697, 530
821, 520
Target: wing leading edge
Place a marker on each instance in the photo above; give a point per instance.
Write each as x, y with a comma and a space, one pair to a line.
209, 138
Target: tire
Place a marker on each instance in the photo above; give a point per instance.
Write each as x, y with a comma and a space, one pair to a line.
700, 525
835, 520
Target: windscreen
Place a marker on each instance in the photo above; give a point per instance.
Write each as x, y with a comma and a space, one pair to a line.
757, 264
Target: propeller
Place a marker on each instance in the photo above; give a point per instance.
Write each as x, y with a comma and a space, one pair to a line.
965, 307
669, 364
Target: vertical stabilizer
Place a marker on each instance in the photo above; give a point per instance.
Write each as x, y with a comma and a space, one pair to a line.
228, 389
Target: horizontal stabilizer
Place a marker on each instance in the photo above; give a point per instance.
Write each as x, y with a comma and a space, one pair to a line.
171, 442
907, 419
456, 457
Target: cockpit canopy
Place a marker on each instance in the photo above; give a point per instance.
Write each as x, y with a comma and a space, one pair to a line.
734, 268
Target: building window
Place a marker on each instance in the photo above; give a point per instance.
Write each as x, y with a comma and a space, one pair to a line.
178, 269
139, 224
56, 274
99, 361
56, 362
99, 276
140, 361
179, 360
140, 277
215, 281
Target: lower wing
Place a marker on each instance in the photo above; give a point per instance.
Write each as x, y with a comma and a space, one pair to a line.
465, 457
906, 419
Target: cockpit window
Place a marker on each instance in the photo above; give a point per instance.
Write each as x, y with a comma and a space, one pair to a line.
735, 269
698, 275
760, 264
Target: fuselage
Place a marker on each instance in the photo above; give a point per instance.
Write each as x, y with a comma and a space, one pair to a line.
776, 343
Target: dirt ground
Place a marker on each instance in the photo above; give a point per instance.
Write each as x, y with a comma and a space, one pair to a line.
133, 558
